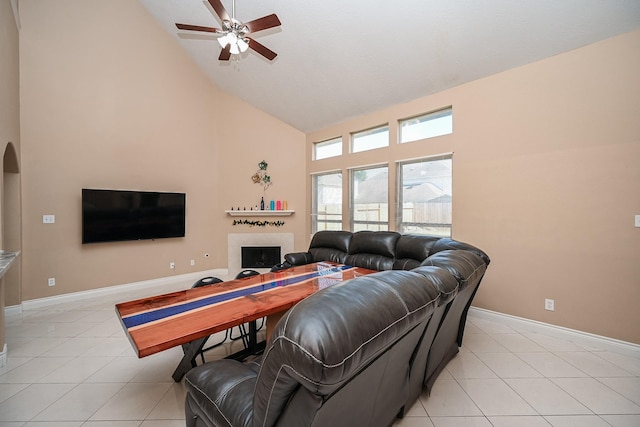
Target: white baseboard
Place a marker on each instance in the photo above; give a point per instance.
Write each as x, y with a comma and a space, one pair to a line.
111, 290
579, 337
3, 356
585, 338
12, 310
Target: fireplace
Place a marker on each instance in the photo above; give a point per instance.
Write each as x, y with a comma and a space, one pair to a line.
236, 241
260, 256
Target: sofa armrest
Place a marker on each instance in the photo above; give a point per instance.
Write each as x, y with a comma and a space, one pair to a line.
281, 266
299, 258
221, 392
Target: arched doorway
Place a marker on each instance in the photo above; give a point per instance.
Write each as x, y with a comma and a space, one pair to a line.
10, 231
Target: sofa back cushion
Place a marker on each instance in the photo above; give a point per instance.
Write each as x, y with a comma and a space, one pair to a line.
374, 250
446, 283
411, 250
327, 339
466, 266
446, 243
330, 245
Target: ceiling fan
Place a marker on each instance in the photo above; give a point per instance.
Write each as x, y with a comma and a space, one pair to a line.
234, 37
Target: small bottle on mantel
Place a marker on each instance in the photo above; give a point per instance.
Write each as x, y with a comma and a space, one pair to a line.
261, 203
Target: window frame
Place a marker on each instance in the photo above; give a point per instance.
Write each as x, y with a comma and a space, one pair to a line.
430, 116
400, 223
327, 142
352, 220
314, 200
369, 131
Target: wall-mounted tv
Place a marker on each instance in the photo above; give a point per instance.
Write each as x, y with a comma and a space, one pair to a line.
119, 215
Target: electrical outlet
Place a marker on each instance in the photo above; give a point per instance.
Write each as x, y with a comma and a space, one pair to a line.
52, 281
549, 304
48, 219
193, 262
637, 220
172, 265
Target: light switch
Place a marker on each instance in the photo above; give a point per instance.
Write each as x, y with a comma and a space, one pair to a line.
48, 219
637, 220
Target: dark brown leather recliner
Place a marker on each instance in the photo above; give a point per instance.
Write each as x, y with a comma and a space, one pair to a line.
341, 357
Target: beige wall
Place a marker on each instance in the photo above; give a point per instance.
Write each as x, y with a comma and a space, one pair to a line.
546, 176
10, 150
546, 171
108, 100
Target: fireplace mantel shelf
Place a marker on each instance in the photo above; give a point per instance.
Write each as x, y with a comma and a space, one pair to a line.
260, 213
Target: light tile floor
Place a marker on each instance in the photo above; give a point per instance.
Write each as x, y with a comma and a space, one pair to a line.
71, 365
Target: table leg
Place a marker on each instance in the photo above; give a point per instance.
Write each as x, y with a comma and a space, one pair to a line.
253, 335
252, 346
191, 351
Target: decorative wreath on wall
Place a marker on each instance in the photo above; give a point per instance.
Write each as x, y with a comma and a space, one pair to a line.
261, 177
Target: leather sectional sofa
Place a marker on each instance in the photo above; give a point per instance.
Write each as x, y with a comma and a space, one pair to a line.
355, 354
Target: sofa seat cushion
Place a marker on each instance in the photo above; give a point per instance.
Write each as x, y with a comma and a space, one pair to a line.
328, 254
223, 392
372, 262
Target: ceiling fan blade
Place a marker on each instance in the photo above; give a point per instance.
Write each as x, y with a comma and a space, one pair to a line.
220, 10
225, 54
197, 28
262, 49
263, 23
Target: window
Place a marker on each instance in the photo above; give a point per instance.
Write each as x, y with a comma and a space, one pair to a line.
327, 202
427, 126
370, 139
370, 199
424, 193
326, 149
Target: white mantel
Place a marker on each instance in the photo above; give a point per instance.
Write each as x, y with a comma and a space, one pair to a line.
237, 240
260, 213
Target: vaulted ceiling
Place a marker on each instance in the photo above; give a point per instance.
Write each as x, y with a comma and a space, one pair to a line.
339, 59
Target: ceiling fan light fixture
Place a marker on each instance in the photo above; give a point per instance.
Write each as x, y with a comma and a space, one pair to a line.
224, 40
243, 45
236, 44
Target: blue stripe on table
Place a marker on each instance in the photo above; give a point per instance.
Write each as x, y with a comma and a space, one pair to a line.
163, 313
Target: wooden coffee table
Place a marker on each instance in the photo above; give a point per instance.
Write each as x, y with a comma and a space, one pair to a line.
189, 317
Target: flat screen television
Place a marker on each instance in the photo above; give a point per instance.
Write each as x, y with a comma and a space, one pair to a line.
119, 215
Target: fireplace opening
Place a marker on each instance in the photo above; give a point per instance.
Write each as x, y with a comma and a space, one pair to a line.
260, 256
